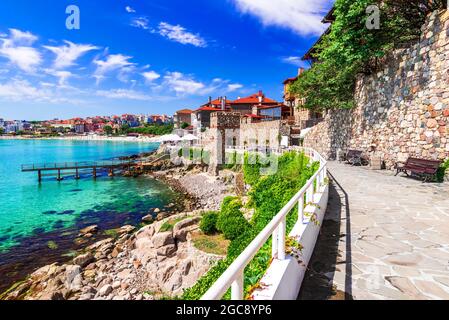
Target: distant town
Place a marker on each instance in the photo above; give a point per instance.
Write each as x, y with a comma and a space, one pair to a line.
126, 124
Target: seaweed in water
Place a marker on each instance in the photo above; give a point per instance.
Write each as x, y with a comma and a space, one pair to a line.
66, 212
51, 212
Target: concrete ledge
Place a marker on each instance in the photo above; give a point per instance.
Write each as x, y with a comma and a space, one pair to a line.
283, 279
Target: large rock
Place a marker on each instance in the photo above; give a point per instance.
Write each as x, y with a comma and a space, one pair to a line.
167, 251
126, 229
105, 290
148, 219
174, 283
99, 244
182, 228
185, 267
73, 278
146, 232
83, 260
89, 230
163, 239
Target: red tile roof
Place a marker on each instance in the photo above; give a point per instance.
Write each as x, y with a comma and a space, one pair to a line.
217, 102
254, 99
206, 108
252, 116
184, 111
290, 80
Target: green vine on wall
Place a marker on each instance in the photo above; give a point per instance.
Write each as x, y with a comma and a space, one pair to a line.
350, 48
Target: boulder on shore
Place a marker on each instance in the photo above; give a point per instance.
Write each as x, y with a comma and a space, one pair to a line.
89, 230
83, 260
163, 239
148, 219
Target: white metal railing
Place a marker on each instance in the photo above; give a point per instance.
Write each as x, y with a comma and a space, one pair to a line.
234, 276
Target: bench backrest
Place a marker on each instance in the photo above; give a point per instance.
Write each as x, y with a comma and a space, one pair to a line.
354, 153
431, 164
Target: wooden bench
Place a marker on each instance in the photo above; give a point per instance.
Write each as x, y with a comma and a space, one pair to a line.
425, 169
354, 157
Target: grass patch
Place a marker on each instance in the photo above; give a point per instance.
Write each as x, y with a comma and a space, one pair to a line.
113, 233
170, 224
213, 244
52, 245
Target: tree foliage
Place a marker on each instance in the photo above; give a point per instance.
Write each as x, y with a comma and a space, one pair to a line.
157, 130
351, 48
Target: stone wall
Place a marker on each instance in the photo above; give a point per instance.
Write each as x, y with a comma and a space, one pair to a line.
401, 111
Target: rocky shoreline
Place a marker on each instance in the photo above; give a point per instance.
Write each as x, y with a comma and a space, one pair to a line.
154, 262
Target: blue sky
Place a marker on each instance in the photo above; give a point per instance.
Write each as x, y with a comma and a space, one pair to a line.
147, 56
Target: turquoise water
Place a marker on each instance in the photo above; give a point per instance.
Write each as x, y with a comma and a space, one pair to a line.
32, 214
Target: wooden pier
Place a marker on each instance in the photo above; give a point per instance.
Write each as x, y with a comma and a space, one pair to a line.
74, 168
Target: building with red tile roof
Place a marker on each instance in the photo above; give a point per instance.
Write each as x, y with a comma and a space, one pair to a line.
181, 117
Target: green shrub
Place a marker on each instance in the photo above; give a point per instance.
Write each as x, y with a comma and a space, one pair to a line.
208, 223
231, 220
251, 168
442, 171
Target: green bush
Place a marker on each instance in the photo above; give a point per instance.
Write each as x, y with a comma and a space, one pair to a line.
231, 220
208, 223
442, 171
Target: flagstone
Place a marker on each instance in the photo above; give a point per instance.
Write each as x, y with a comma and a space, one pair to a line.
431, 288
394, 232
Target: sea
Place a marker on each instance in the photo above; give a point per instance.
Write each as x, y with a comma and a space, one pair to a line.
40, 222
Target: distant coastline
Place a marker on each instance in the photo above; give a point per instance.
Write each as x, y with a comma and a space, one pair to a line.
87, 138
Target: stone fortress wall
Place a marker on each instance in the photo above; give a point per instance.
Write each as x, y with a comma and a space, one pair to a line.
401, 111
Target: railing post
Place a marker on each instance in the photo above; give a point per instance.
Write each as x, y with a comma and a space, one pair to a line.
301, 209
274, 244
237, 288
281, 239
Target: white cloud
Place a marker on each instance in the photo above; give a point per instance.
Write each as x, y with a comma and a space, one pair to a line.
113, 62
234, 86
150, 76
123, 94
67, 55
24, 38
129, 9
183, 84
18, 50
63, 76
18, 90
302, 16
296, 61
140, 22
180, 34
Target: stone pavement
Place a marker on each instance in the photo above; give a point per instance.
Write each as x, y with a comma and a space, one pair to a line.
383, 237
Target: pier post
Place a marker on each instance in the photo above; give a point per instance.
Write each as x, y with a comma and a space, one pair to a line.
39, 175
77, 176
95, 172
59, 175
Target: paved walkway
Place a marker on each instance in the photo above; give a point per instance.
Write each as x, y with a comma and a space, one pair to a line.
383, 237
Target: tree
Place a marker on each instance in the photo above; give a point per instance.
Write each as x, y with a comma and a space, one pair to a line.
2, 131
185, 125
108, 130
124, 129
